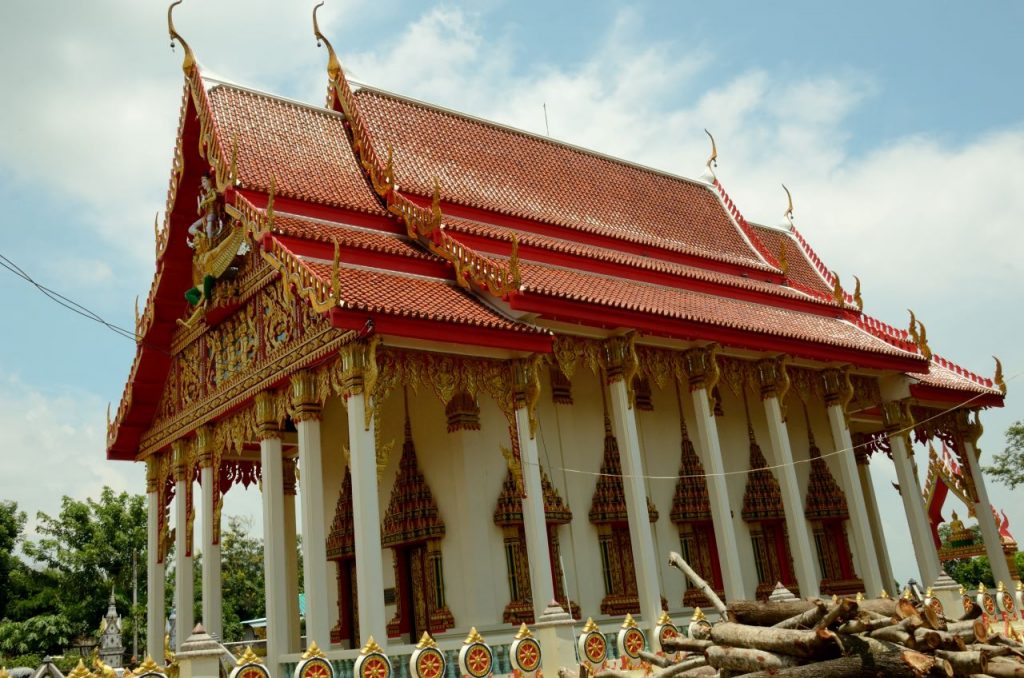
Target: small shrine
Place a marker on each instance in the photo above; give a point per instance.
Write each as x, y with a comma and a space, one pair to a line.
111, 648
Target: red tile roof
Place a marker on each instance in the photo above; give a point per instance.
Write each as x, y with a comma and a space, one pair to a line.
799, 268
304, 149
703, 308
490, 167
411, 296
348, 236
945, 374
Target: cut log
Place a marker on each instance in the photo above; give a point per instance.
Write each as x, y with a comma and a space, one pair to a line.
755, 613
865, 623
683, 667
700, 672
965, 663
894, 634
684, 644
816, 644
806, 619
997, 650
1001, 667
676, 560
927, 639
656, 660
905, 608
840, 612
745, 660
895, 664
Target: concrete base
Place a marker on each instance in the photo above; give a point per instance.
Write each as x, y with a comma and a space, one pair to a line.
199, 656
557, 641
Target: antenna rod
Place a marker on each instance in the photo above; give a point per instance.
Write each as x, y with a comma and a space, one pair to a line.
547, 130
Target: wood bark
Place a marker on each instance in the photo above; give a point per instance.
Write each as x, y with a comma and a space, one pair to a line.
676, 560
656, 660
816, 644
806, 619
870, 665
965, 663
684, 666
841, 611
1001, 667
745, 659
684, 644
769, 614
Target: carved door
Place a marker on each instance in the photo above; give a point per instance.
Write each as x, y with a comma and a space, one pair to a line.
413, 573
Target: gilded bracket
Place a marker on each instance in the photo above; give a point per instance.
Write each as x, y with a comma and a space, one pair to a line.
618, 357
773, 378
359, 373
700, 365
526, 387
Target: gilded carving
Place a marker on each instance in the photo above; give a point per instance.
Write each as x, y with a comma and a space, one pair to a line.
305, 401
700, 365
838, 388
266, 416
774, 380
526, 387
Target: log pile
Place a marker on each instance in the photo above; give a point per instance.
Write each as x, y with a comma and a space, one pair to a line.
837, 639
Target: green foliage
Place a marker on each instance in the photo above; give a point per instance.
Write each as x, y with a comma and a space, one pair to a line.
12, 524
1008, 466
46, 634
242, 576
968, 572
82, 552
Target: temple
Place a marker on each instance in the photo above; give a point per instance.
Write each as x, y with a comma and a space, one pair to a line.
492, 371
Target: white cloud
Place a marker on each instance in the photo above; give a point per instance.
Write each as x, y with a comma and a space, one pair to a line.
54, 445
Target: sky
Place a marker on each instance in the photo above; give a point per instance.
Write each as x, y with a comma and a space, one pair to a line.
899, 128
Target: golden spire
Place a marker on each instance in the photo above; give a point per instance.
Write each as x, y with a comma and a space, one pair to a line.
590, 626
998, 379
664, 618
189, 62
913, 328
860, 597
857, 299
523, 632
473, 637
928, 592
981, 588
629, 622
698, 615
925, 350
1000, 587
713, 158
907, 595
333, 65
426, 641
248, 657
884, 595
313, 651
371, 647
962, 590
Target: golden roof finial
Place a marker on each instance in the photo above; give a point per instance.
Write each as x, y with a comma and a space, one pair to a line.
149, 666
857, 299
371, 647
923, 333
426, 641
473, 637
907, 595
837, 290
629, 622
80, 671
789, 205
981, 587
313, 651
698, 614
835, 598
664, 618
335, 274
435, 203
590, 626
883, 594
1000, 587
914, 335
189, 62
928, 592
1020, 586
524, 632
962, 590
998, 379
860, 597
333, 65
783, 259
713, 158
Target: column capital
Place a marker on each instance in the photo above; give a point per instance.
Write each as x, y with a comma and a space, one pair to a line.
152, 473
463, 413
359, 366
205, 443
773, 377
838, 388
182, 450
561, 387
701, 367
618, 357
265, 412
305, 397
526, 387
896, 416
967, 428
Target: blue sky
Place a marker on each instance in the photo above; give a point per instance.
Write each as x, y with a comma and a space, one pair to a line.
898, 126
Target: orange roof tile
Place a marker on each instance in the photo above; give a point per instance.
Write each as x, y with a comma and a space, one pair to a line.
800, 270
945, 374
699, 307
413, 296
348, 236
304, 149
487, 166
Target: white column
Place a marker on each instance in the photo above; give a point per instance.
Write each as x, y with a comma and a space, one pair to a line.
718, 494
154, 566
212, 614
291, 558
212, 596
311, 484
366, 517
863, 543
274, 567
645, 560
479, 600
534, 521
913, 504
796, 525
986, 521
184, 584
877, 534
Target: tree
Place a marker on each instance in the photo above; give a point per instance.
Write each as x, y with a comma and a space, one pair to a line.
1008, 467
12, 524
87, 549
242, 576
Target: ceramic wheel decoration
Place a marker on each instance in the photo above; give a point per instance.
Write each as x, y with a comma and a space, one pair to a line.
476, 660
316, 667
988, 604
936, 606
525, 655
632, 642
1006, 602
250, 666
372, 662
665, 629
592, 646
968, 604
427, 663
